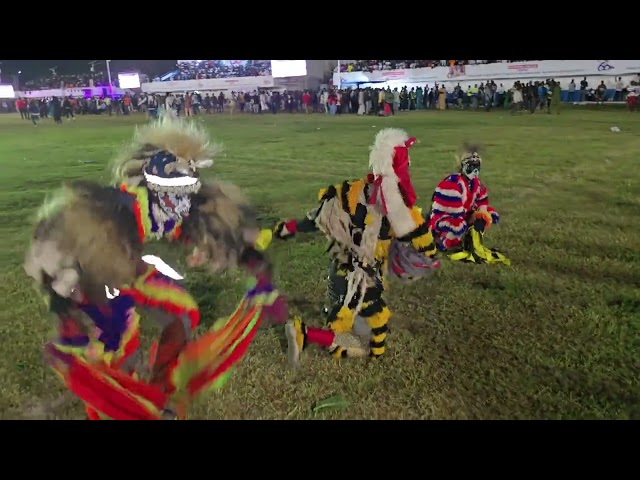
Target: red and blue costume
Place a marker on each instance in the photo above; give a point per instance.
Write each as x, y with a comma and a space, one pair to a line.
460, 213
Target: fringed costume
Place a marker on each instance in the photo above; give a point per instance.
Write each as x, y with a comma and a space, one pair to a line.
87, 255
373, 227
461, 215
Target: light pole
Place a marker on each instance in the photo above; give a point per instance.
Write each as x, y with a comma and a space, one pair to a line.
109, 74
19, 72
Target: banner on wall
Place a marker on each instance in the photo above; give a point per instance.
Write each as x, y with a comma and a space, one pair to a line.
76, 92
456, 71
234, 83
494, 71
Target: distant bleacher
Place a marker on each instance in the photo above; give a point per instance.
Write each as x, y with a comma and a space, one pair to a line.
206, 69
67, 81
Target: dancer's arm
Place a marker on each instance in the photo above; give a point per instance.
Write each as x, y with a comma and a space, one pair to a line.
485, 215
421, 237
289, 228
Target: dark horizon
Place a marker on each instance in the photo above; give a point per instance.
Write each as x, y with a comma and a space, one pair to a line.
35, 69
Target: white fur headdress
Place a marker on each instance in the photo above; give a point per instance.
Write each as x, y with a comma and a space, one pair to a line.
383, 162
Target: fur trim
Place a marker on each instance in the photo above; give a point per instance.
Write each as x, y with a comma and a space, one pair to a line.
186, 140
381, 164
484, 215
222, 224
84, 237
398, 214
382, 150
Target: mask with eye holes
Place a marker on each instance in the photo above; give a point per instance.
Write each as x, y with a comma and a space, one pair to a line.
470, 165
173, 181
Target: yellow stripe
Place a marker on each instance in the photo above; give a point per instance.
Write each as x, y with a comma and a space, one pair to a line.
173, 294
379, 319
423, 241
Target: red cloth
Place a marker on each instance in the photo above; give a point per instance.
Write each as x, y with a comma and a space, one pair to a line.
401, 169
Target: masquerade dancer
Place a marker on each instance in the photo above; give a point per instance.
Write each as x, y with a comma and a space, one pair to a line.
86, 255
373, 227
461, 215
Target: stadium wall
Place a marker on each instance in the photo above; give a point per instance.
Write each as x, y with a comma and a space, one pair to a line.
69, 92
561, 70
317, 72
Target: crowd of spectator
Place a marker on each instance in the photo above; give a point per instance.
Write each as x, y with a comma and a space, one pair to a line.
521, 96
56, 108
83, 80
373, 65
202, 69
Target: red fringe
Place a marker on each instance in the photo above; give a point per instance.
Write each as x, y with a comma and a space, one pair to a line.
172, 308
149, 392
99, 394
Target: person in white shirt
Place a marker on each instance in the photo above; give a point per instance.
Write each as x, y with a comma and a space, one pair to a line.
168, 104
619, 86
516, 104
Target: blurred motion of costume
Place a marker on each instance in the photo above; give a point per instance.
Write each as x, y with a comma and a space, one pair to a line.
86, 254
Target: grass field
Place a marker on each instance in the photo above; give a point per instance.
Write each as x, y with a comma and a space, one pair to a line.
553, 336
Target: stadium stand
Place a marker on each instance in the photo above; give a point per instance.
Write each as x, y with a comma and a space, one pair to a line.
69, 81
199, 69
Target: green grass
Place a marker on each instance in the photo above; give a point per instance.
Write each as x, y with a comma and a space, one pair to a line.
554, 336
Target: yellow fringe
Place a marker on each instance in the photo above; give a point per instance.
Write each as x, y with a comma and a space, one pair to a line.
355, 188
382, 250
337, 352
343, 321
486, 254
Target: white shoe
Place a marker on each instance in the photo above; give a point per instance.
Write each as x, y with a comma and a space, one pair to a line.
293, 350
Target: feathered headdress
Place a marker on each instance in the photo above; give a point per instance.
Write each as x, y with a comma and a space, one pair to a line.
166, 156
470, 160
389, 162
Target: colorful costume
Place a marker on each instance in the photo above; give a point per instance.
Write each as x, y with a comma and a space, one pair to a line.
374, 228
86, 253
460, 213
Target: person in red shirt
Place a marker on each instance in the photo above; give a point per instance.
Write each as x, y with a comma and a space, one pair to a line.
306, 99
21, 105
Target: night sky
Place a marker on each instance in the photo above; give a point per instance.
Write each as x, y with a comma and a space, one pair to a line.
34, 69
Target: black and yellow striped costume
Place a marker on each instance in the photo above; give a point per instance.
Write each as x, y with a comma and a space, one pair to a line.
360, 235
